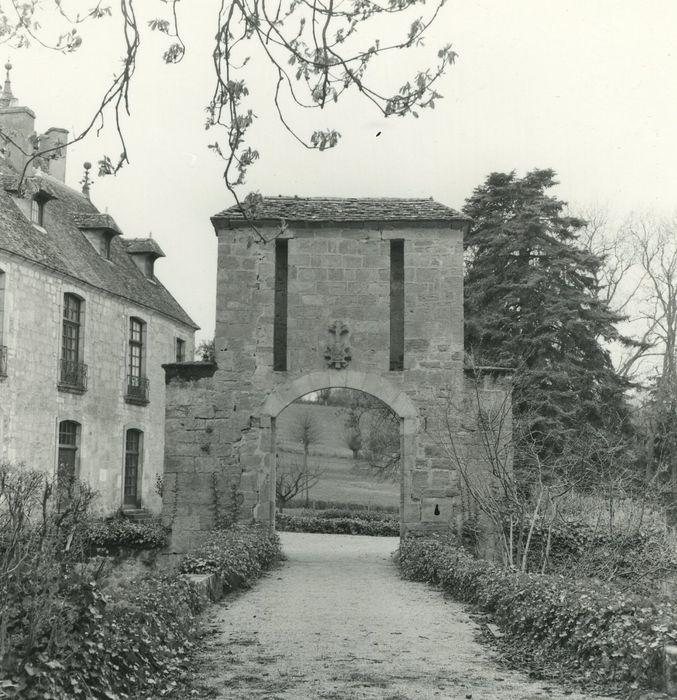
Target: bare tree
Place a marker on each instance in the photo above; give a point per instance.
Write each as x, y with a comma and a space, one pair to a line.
293, 479
620, 280
316, 50
306, 431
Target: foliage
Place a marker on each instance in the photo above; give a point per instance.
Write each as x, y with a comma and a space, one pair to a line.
41, 548
531, 300
317, 52
228, 513
62, 634
206, 350
593, 627
132, 644
239, 555
372, 429
354, 525
121, 532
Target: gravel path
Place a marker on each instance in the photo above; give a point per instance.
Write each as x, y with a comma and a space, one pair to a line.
336, 622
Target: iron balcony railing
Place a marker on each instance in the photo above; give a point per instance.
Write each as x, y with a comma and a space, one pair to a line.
3, 360
137, 390
73, 375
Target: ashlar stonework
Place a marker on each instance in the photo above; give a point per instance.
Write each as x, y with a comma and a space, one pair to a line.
338, 313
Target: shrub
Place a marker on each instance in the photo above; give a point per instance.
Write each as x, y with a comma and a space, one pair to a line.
338, 526
238, 554
333, 513
638, 558
136, 642
608, 634
325, 505
120, 532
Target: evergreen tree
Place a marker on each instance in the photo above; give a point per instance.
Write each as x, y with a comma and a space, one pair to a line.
531, 302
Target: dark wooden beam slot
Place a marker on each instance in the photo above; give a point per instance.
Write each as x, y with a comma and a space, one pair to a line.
396, 305
280, 317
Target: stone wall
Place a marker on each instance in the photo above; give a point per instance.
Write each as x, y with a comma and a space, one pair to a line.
221, 429
31, 406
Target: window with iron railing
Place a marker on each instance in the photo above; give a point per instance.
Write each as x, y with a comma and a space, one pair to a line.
137, 390
137, 382
72, 370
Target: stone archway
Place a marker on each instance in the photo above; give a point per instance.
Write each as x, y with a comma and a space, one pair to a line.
374, 385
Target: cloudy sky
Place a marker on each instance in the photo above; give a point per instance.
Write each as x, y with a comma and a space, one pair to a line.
586, 88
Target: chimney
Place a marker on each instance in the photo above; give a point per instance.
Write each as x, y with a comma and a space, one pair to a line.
17, 127
55, 161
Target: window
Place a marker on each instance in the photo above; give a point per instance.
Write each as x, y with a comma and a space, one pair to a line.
38, 210
73, 374
137, 383
280, 305
396, 305
133, 458
180, 350
67, 462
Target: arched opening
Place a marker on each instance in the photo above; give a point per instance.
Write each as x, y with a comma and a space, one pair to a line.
353, 410
338, 450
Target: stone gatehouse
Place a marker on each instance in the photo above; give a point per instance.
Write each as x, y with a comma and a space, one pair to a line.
314, 293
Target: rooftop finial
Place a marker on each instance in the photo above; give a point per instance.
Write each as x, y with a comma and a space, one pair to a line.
7, 99
86, 182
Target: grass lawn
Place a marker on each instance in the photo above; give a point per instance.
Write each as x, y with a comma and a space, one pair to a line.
346, 481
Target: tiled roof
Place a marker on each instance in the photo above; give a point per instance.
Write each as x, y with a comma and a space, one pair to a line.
63, 247
349, 209
143, 245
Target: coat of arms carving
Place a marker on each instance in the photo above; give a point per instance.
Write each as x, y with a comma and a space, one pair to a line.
337, 353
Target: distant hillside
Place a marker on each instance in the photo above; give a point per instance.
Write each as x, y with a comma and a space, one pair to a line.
329, 421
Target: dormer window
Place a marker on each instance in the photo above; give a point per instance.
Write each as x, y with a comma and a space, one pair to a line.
100, 240
38, 209
99, 230
144, 252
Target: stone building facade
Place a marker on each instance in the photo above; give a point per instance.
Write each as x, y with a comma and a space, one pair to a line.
316, 293
85, 326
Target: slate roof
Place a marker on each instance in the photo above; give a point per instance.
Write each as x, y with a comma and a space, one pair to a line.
62, 247
344, 209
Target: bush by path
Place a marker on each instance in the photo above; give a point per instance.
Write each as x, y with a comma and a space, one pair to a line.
239, 555
133, 640
341, 525
595, 628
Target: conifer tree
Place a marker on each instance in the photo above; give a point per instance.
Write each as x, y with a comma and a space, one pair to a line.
531, 302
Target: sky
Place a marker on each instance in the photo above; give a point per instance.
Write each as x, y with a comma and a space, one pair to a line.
588, 89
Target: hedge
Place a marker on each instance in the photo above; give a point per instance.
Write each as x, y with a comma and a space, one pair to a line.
131, 641
337, 526
316, 504
607, 634
239, 555
120, 532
